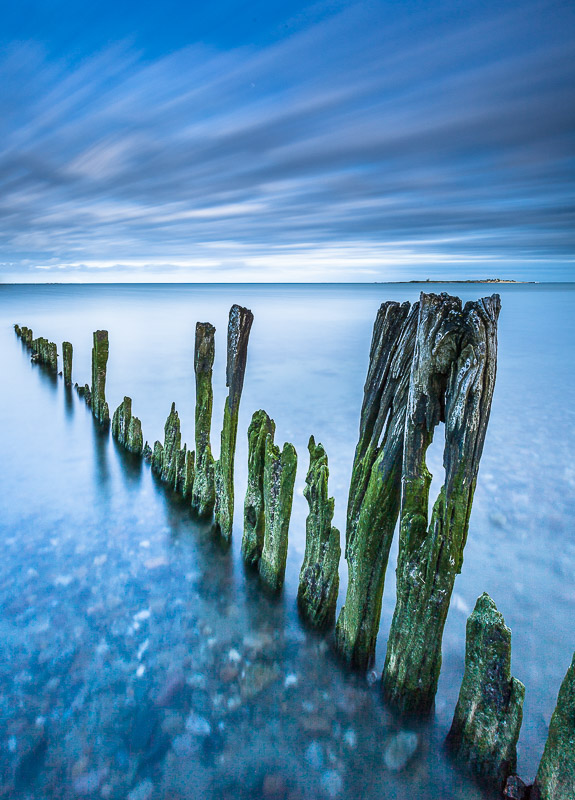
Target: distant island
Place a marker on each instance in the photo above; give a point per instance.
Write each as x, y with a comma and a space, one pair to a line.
470, 280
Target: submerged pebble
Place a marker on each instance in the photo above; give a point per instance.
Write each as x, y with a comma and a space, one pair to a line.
198, 726
400, 749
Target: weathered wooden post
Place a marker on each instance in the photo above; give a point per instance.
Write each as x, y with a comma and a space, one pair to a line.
239, 327
489, 710
99, 363
165, 457
126, 428
254, 519
45, 353
187, 480
67, 351
279, 479
452, 379
374, 495
319, 576
203, 494
555, 778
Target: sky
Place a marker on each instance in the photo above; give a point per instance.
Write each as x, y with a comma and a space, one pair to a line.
256, 141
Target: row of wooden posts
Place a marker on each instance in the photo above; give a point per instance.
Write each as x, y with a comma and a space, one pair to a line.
430, 362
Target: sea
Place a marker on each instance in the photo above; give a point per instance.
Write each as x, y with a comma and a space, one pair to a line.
139, 659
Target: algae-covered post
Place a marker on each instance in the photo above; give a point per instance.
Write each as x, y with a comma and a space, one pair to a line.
319, 576
555, 778
99, 363
239, 327
203, 493
452, 379
489, 710
279, 479
166, 457
67, 351
126, 428
254, 521
135, 441
25, 335
121, 420
189, 474
374, 495
52, 356
45, 352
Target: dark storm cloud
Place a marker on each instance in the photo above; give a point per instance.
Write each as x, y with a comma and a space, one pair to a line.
374, 145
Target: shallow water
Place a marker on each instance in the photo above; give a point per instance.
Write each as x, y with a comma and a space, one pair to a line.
136, 653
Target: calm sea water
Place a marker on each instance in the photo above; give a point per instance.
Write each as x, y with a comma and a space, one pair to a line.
139, 660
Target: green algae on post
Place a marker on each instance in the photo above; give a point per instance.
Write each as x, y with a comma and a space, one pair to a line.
99, 363
555, 778
239, 326
279, 479
187, 480
121, 420
45, 352
135, 440
452, 380
319, 576
203, 492
67, 351
158, 458
25, 335
488, 715
126, 428
254, 521
375, 489
166, 457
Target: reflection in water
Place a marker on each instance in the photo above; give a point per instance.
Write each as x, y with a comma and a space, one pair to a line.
68, 402
131, 465
139, 656
101, 442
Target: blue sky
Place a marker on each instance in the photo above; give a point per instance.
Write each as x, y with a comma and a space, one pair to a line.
334, 141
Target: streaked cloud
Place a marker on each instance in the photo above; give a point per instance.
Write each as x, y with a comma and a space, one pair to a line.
348, 149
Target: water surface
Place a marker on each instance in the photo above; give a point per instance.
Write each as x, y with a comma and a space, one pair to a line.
136, 653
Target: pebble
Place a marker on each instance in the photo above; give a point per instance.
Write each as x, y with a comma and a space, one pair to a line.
234, 702
399, 750
316, 724
332, 783
229, 672
155, 563
371, 677
63, 580
314, 755
143, 791
90, 782
350, 738
185, 744
198, 726
142, 649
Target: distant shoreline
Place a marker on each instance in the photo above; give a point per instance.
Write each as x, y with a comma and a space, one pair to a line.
485, 280
425, 282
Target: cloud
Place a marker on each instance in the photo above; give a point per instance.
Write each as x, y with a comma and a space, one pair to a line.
381, 147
